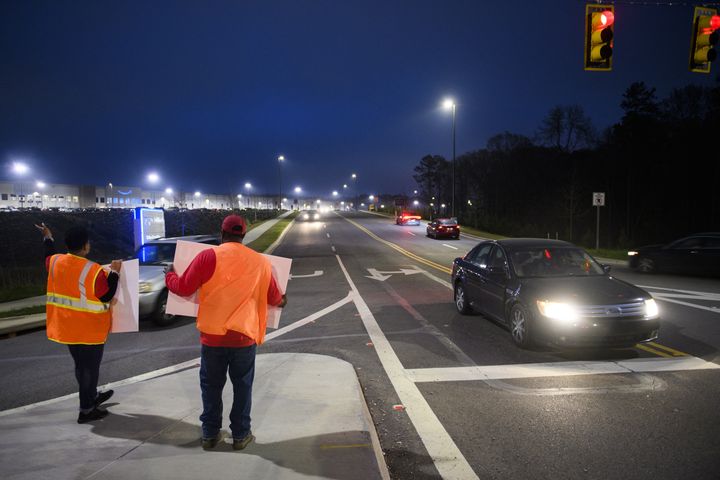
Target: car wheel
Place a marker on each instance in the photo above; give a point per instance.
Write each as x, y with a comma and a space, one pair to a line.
462, 302
646, 265
161, 318
520, 326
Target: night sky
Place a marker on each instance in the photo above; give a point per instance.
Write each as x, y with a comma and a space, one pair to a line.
209, 93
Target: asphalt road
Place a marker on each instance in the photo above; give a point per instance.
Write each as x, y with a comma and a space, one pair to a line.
446, 391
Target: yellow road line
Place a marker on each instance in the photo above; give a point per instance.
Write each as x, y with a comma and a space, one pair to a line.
652, 350
650, 347
675, 353
394, 246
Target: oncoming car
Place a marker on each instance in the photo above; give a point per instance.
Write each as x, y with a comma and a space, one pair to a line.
154, 256
309, 216
550, 291
406, 218
444, 227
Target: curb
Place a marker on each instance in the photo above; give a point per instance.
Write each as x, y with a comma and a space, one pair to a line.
12, 325
280, 238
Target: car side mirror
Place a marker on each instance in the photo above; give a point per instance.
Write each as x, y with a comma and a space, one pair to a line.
607, 268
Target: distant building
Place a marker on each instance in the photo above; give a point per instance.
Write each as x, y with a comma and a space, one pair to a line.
55, 195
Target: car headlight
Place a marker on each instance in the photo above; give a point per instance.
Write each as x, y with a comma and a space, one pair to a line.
306, 216
316, 217
632, 253
145, 287
651, 308
557, 311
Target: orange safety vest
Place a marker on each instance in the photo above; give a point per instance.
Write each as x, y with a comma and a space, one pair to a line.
235, 297
75, 315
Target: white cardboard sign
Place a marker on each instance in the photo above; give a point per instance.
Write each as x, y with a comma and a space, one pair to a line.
126, 303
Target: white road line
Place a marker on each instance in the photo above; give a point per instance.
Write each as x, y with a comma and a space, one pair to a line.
688, 304
308, 319
449, 246
710, 295
447, 457
328, 235
333, 248
557, 369
412, 234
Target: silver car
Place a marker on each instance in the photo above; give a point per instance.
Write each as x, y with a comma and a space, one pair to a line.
154, 256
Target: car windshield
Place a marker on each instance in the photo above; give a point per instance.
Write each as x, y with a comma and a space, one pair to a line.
156, 253
554, 262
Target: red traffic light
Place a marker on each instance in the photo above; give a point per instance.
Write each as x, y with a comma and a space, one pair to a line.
607, 18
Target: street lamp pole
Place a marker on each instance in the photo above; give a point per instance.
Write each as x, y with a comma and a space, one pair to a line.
453, 161
281, 159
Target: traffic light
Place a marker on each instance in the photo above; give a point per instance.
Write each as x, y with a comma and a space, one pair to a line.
599, 24
706, 22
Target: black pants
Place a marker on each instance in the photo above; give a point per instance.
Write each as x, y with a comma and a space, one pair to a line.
87, 370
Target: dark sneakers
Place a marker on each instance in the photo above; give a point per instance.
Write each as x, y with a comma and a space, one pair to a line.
103, 397
239, 444
210, 443
94, 414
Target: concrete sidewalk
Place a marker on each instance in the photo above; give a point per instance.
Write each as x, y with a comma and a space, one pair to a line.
255, 233
309, 419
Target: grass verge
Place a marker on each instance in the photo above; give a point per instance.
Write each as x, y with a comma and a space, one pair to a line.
18, 293
21, 312
273, 233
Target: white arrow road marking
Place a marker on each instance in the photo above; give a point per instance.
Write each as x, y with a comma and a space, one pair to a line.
382, 276
449, 246
317, 273
671, 295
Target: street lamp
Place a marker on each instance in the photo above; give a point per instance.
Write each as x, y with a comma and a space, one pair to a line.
248, 187
298, 189
335, 193
354, 177
281, 159
448, 104
416, 203
153, 178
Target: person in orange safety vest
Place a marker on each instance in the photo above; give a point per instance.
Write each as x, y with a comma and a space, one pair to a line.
236, 286
78, 312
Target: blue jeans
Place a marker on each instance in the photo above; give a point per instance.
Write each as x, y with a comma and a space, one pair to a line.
215, 362
87, 371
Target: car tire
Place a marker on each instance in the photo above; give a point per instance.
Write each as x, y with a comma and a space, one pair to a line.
462, 302
160, 318
646, 265
521, 326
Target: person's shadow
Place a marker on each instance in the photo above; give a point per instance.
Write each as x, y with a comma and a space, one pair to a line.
333, 455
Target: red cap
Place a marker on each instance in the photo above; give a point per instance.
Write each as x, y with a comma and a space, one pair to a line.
234, 225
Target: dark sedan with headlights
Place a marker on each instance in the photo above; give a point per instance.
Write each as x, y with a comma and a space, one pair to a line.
550, 291
697, 254
443, 227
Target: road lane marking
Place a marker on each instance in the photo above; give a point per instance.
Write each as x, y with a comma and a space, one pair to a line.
398, 248
675, 353
332, 247
446, 456
687, 304
648, 349
316, 273
557, 369
309, 318
412, 234
449, 246
328, 235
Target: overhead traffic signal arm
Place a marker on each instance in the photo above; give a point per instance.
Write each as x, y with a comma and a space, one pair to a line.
599, 26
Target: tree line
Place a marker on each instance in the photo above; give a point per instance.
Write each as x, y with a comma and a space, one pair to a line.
658, 167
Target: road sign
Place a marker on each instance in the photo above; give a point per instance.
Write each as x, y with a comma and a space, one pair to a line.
598, 199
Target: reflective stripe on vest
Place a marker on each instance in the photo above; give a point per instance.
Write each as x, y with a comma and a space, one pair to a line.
81, 304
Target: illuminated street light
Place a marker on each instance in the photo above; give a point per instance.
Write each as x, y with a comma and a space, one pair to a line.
281, 159
298, 189
197, 194
344, 185
335, 193
153, 177
353, 176
20, 168
371, 197
168, 190
248, 185
40, 184
239, 195
414, 192
416, 203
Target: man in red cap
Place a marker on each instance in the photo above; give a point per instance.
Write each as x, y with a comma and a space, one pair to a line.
236, 286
